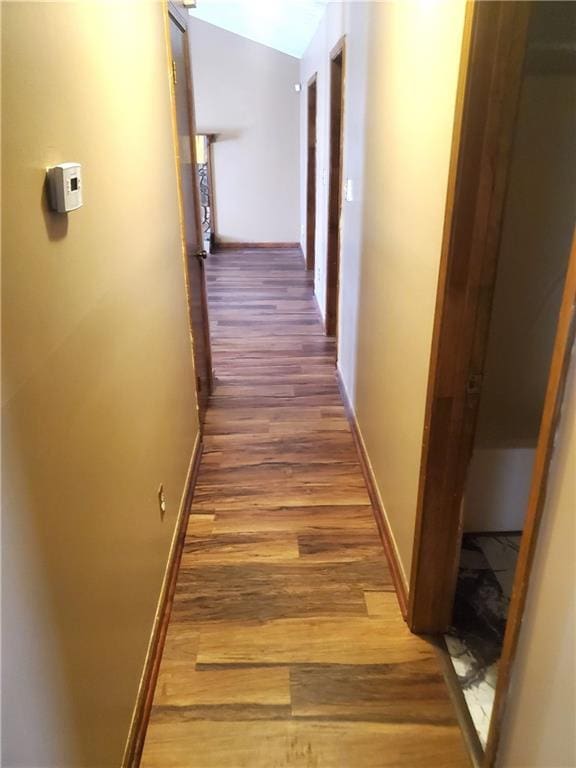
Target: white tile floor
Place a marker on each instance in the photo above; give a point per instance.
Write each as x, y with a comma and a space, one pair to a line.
498, 554
502, 554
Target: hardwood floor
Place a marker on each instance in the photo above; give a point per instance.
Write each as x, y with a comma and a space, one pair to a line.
286, 647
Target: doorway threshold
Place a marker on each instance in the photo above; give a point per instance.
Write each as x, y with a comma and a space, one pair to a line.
475, 639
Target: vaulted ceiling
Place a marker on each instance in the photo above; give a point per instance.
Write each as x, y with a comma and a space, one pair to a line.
287, 25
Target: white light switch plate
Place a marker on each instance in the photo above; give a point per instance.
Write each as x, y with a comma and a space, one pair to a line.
348, 191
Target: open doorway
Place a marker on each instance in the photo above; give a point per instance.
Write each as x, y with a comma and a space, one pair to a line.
337, 64
532, 264
206, 183
502, 338
311, 175
190, 207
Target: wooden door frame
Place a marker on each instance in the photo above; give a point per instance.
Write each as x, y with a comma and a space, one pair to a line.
493, 54
210, 139
491, 67
548, 427
311, 172
335, 195
179, 17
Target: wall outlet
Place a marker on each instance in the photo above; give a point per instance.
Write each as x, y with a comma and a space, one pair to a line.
161, 501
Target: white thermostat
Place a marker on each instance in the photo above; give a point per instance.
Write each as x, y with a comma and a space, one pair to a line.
65, 182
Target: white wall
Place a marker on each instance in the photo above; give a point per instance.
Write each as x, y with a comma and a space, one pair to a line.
244, 92
497, 489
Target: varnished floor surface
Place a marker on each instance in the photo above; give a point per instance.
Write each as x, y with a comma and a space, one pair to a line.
286, 647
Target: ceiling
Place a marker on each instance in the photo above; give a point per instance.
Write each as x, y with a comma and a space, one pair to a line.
287, 25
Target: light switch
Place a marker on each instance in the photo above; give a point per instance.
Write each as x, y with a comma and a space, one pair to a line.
348, 191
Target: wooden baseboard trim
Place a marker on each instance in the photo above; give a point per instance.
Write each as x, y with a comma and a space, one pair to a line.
139, 725
319, 314
377, 507
220, 246
493, 533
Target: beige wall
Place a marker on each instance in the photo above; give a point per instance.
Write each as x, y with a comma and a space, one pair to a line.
98, 405
539, 722
351, 21
398, 132
245, 93
401, 82
536, 237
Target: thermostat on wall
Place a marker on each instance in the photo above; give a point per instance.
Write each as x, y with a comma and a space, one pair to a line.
65, 182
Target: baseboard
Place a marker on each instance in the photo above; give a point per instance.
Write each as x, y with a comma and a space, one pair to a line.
141, 715
225, 246
377, 506
317, 305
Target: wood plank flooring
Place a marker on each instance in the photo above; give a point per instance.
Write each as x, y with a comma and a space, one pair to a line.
286, 647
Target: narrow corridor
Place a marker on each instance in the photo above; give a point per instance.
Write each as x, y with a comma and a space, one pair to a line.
286, 646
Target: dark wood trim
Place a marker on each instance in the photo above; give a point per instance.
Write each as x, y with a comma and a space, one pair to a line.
493, 52
198, 217
493, 533
336, 154
469, 733
210, 138
548, 427
176, 16
311, 161
179, 14
137, 735
338, 48
219, 246
379, 516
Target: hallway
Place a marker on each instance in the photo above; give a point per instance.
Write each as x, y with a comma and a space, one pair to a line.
286, 646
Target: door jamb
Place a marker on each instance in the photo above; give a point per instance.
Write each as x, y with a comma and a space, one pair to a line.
311, 188
548, 427
490, 77
334, 243
210, 139
179, 17
178, 14
487, 97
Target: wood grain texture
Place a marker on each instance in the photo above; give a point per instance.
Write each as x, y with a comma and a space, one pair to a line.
191, 218
311, 174
275, 744
488, 92
286, 646
220, 245
337, 76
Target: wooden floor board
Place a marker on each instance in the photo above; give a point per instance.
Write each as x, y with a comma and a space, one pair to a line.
286, 647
